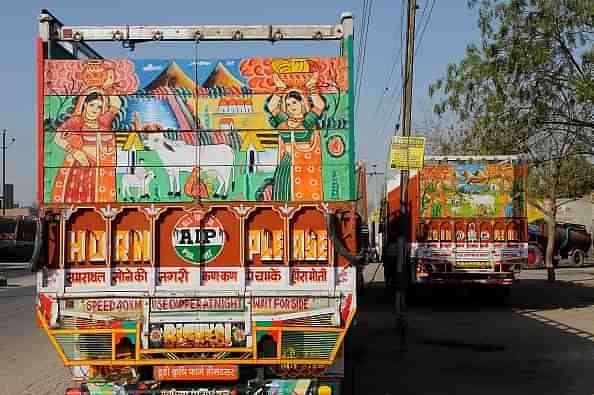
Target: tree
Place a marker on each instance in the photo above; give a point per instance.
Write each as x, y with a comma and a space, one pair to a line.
445, 136
528, 87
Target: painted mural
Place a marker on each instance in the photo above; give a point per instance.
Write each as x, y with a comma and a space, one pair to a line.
186, 130
466, 190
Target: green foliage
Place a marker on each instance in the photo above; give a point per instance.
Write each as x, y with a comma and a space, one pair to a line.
57, 110
528, 87
576, 176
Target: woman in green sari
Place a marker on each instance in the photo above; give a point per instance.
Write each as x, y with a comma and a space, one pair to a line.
298, 175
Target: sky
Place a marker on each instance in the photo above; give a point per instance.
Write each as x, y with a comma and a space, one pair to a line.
450, 29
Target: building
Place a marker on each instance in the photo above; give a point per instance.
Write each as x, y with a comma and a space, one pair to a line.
9, 198
17, 212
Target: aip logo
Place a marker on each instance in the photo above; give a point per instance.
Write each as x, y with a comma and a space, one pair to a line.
198, 238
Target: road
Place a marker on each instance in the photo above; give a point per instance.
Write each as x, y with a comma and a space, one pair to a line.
29, 366
542, 343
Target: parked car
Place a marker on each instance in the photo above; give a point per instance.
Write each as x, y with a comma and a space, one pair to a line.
17, 238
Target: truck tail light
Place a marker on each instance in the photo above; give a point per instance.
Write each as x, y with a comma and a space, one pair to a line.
422, 270
77, 391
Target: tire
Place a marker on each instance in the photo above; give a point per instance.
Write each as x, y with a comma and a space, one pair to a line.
577, 258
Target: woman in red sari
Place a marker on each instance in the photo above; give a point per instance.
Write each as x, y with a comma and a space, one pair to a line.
88, 171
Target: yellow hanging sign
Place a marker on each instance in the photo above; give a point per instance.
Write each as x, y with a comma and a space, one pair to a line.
407, 153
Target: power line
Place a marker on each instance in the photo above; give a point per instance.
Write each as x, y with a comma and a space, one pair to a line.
404, 81
421, 36
424, 28
398, 54
362, 56
361, 38
380, 129
422, 18
364, 46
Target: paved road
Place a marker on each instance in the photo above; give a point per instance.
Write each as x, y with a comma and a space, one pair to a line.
29, 365
542, 343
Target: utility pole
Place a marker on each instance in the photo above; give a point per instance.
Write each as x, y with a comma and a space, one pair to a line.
377, 185
402, 264
377, 205
4, 146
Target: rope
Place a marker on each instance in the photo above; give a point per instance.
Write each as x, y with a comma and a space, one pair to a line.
338, 246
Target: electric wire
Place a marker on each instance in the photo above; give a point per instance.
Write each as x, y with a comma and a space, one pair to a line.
424, 28
360, 36
380, 131
424, 21
398, 55
360, 41
362, 55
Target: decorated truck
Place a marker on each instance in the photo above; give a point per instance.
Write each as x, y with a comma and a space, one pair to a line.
468, 221
198, 226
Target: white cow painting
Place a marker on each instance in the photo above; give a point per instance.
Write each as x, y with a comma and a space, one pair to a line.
140, 180
481, 200
178, 156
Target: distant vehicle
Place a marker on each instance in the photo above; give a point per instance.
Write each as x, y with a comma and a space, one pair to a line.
572, 242
468, 222
17, 237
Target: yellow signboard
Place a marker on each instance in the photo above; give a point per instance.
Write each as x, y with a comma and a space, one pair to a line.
407, 153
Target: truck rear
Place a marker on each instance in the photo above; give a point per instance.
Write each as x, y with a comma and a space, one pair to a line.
198, 217
468, 220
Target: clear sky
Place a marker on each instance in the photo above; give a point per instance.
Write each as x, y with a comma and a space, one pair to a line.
452, 26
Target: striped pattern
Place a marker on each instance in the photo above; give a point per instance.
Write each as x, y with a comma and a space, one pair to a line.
308, 345
215, 91
85, 346
267, 193
317, 320
282, 180
268, 139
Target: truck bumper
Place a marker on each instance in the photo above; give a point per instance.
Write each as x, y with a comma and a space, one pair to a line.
273, 386
506, 278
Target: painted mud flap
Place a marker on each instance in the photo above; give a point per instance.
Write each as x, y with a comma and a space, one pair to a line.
269, 387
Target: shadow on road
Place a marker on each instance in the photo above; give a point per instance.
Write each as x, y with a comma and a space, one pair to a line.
463, 343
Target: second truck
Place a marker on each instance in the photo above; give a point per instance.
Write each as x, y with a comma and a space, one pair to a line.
468, 221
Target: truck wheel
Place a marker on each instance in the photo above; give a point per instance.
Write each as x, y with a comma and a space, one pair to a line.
577, 258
